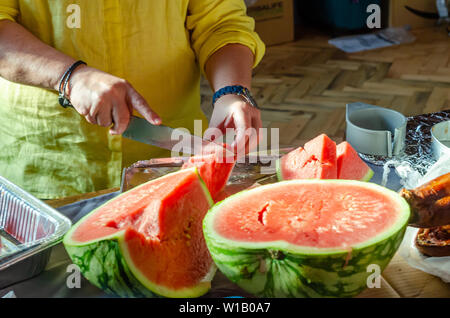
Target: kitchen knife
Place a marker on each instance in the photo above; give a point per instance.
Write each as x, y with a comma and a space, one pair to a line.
178, 140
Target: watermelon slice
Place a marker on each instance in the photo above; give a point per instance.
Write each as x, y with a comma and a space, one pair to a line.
317, 160
148, 240
349, 165
306, 238
214, 169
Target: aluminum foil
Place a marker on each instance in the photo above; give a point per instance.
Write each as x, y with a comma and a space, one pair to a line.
28, 229
417, 156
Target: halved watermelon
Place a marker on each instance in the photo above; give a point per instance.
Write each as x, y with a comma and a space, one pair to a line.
306, 238
317, 160
148, 240
214, 169
349, 165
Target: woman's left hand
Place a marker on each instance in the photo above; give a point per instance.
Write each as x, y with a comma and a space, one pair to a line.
232, 111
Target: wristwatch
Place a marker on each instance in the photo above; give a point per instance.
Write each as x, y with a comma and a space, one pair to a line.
235, 90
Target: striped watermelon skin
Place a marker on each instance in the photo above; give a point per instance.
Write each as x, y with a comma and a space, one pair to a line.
277, 269
275, 273
103, 265
106, 263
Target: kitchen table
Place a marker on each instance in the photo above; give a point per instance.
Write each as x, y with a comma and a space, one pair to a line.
398, 279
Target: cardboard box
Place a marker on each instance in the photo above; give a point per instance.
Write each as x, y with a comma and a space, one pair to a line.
274, 20
400, 16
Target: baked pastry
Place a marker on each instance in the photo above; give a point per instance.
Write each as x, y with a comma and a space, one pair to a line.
434, 241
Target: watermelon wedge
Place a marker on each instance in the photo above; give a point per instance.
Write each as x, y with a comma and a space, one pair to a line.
147, 241
316, 160
306, 238
214, 169
349, 165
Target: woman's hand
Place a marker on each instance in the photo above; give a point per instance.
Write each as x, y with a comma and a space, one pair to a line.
232, 65
105, 100
100, 97
232, 111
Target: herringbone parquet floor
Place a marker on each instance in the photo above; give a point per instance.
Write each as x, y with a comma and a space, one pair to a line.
303, 86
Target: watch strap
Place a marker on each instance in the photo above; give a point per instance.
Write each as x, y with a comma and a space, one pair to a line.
235, 90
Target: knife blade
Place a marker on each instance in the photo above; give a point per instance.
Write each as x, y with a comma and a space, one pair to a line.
178, 140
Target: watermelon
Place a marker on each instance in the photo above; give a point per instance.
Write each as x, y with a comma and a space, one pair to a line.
214, 169
316, 160
349, 165
147, 241
306, 238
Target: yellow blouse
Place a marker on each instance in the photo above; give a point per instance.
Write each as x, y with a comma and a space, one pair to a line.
159, 46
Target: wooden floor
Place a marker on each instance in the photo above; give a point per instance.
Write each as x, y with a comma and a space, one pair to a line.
303, 86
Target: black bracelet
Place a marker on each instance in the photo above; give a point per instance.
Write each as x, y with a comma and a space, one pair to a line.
63, 100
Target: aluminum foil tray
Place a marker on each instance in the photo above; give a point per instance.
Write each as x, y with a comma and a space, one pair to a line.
418, 152
28, 229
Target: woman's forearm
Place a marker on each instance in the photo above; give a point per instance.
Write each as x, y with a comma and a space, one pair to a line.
102, 98
26, 60
230, 65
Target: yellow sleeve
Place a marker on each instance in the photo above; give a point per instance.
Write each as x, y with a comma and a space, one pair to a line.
9, 10
216, 23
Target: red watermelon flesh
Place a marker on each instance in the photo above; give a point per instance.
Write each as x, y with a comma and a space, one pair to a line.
214, 170
349, 165
311, 213
162, 224
316, 160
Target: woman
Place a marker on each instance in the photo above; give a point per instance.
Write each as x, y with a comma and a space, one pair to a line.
142, 56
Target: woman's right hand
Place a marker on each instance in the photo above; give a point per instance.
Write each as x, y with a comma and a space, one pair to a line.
105, 100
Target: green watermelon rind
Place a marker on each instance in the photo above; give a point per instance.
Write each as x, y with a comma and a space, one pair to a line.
261, 269
105, 262
368, 176
278, 169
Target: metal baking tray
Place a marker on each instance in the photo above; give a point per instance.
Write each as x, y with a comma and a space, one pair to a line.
255, 168
28, 230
